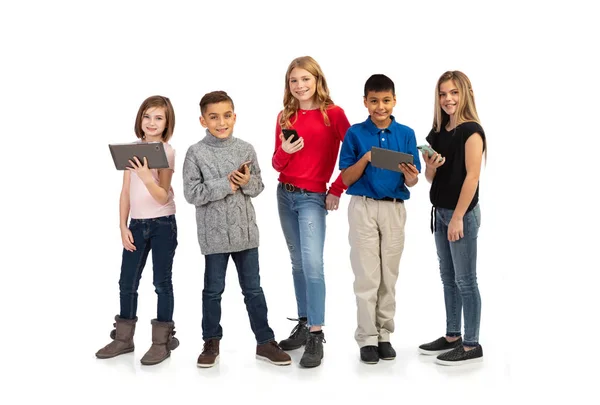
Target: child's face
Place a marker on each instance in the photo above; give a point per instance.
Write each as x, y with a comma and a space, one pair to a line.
154, 122
380, 105
303, 84
449, 97
219, 119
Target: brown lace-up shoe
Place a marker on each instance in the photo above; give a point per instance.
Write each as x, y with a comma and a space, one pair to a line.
272, 353
210, 353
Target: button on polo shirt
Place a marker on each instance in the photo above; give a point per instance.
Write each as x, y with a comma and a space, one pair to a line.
375, 182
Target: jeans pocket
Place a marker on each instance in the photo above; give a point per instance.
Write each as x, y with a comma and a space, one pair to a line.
477, 215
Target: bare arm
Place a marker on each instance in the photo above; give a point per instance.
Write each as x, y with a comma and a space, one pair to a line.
351, 174
124, 201
124, 206
431, 165
160, 191
473, 157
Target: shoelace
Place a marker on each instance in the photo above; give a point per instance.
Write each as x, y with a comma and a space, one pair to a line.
297, 329
209, 346
311, 343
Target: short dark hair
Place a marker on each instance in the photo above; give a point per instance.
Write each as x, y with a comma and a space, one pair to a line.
379, 82
214, 97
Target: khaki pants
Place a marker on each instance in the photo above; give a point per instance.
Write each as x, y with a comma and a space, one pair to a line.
376, 242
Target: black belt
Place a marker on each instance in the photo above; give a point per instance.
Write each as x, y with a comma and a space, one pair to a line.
290, 188
387, 199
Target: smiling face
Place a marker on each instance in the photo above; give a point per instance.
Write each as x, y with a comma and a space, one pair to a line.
219, 119
154, 123
449, 97
380, 105
303, 86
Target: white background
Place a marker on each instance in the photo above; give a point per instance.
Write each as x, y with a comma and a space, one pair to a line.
73, 75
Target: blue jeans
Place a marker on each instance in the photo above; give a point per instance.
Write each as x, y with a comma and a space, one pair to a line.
302, 217
158, 235
246, 263
458, 268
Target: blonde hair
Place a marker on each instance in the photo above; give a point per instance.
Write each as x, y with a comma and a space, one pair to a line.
153, 102
466, 110
291, 104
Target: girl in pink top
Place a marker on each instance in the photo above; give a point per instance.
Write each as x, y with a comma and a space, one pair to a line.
147, 197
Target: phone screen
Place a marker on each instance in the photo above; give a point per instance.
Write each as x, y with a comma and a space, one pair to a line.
290, 132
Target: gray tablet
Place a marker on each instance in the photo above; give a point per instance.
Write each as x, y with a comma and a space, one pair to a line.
153, 151
389, 159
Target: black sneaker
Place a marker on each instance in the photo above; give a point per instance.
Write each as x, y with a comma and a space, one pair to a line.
297, 337
369, 355
313, 352
460, 356
439, 346
386, 351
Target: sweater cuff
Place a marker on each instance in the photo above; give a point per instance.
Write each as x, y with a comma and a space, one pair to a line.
336, 191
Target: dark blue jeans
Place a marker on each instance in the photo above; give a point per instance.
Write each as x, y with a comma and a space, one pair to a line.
158, 235
246, 263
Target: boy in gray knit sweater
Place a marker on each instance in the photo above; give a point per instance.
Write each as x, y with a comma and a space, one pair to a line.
220, 176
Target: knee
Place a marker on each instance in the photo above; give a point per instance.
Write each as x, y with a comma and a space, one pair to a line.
213, 289
163, 287
314, 273
126, 285
467, 284
251, 292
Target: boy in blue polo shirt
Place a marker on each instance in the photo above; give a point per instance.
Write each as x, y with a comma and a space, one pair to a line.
376, 215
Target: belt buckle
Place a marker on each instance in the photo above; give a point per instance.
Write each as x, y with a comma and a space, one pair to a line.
289, 187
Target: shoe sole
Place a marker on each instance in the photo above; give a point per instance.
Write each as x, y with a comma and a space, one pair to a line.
369, 362
288, 348
277, 363
434, 352
208, 365
152, 363
102, 356
458, 363
387, 358
311, 365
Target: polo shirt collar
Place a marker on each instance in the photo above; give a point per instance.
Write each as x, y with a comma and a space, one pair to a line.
372, 128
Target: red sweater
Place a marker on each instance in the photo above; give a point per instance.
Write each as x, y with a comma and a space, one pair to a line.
311, 167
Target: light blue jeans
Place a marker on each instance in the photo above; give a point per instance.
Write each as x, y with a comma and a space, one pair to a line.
458, 268
302, 215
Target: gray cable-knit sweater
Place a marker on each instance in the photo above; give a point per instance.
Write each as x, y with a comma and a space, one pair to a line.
226, 220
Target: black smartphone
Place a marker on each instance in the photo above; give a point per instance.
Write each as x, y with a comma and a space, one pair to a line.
290, 132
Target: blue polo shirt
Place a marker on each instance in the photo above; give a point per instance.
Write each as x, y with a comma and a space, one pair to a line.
375, 182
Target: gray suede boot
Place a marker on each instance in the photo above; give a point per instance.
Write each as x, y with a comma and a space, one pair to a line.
163, 341
122, 337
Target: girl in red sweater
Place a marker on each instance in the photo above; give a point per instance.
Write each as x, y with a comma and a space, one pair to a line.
305, 166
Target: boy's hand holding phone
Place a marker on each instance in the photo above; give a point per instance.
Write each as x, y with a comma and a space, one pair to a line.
241, 176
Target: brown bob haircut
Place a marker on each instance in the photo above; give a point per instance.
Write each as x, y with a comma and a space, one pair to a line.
154, 102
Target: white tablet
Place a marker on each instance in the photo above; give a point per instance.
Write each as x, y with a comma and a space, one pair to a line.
154, 152
389, 159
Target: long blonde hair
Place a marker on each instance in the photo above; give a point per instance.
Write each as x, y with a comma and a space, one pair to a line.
291, 104
466, 110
